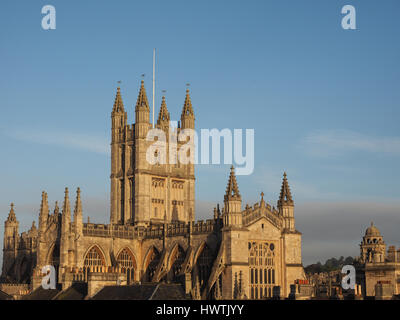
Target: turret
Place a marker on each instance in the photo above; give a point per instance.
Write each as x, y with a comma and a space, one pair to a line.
118, 132
286, 204
372, 247
78, 218
65, 230
11, 227
118, 114
66, 214
44, 213
11, 240
187, 116
142, 113
232, 202
235, 239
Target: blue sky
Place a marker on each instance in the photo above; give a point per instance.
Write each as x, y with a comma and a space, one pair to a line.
323, 101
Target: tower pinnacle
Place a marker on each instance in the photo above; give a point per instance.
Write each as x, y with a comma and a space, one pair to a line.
163, 115
187, 106
118, 104
142, 103
78, 203
285, 196
187, 116
232, 190
11, 215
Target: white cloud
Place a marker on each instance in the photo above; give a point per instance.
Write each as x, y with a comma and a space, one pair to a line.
80, 141
337, 142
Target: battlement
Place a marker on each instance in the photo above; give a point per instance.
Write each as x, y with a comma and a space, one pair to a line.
203, 226
151, 232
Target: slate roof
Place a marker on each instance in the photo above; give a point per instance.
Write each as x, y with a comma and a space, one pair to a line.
77, 291
41, 294
145, 291
169, 292
5, 296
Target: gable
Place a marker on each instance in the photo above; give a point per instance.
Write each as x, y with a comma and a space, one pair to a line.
262, 228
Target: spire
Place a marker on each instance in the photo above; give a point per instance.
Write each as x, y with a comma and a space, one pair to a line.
285, 196
78, 219
33, 228
66, 214
262, 202
11, 215
44, 205
232, 190
142, 102
44, 212
78, 204
215, 213
187, 107
163, 115
118, 104
66, 207
56, 208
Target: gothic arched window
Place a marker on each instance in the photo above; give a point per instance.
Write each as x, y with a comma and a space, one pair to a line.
127, 262
262, 269
94, 258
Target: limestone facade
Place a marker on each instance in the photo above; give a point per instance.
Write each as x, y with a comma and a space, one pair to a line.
152, 235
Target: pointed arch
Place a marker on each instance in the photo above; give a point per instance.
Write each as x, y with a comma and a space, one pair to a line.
127, 261
175, 260
126, 258
202, 263
198, 251
24, 270
53, 255
150, 263
94, 257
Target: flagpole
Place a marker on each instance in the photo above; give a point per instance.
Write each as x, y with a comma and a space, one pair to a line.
154, 79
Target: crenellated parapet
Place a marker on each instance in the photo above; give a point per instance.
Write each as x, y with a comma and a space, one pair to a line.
150, 232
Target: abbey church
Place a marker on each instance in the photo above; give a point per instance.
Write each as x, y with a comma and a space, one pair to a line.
240, 252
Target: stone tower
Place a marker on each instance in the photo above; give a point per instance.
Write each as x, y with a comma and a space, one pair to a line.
66, 235
290, 236
372, 247
235, 239
142, 192
286, 204
42, 248
11, 238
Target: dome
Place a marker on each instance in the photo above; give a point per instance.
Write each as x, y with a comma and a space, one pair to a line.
372, 231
